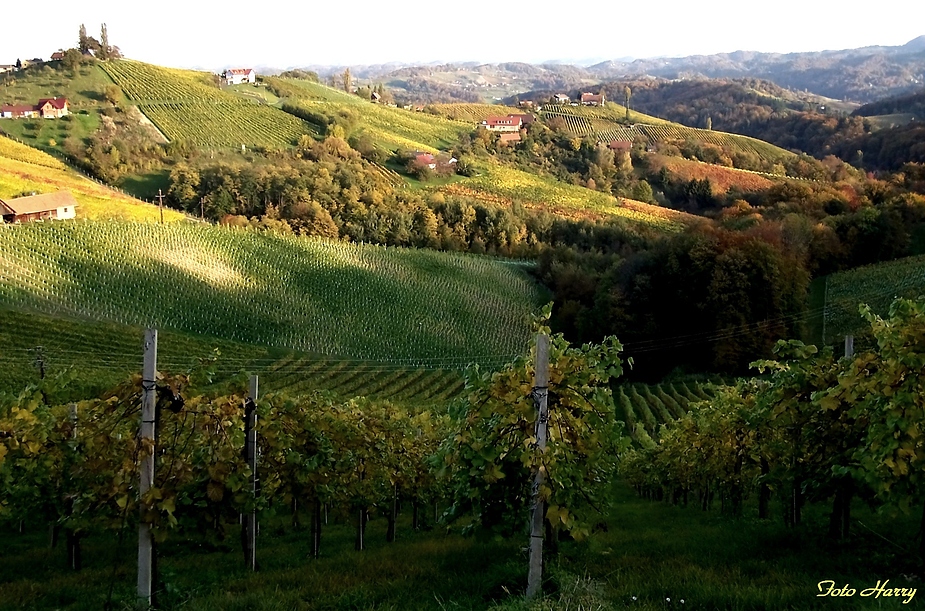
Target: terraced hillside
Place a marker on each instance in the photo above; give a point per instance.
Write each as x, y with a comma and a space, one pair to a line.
24, 169
605, 124
502, 185
185, 106
390, 128
329, 298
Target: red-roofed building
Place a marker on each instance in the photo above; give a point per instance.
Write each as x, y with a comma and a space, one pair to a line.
18, 112
49, 108
510, 123
236, 76
620, 145
60, 205
52, 108
590, 99
425, 159
508, 137
57, 56
525, 120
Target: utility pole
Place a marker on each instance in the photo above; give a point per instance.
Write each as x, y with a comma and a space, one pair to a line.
250, 456
540, 396
160, 199
202, 208
146, 469
849, 346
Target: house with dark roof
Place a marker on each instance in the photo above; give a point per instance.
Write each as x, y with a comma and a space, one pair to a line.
52, 108
48, 206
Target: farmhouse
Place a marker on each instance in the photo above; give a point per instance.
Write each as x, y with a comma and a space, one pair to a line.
52, 108
510, 123
5, 68
508, 137
48, 108
60, 205
561, 98
236, 76
57, 56
590, 99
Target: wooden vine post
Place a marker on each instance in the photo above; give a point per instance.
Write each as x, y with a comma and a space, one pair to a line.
540, 396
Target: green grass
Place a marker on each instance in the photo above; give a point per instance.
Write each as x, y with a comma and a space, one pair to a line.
644, 554
253, 92
83, 89
309, 295
146, 185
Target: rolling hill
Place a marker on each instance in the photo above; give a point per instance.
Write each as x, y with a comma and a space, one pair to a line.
335, 299
607, 124
187, 106
24, 170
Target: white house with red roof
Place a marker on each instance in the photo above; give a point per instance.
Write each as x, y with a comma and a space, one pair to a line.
510, 123
52, 108
236, 76
48, 108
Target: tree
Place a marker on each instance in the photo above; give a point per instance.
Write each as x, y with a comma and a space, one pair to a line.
113, 94
72, 59
345, 80
18, 64
627, 94
103, 53
83, 43
709, 123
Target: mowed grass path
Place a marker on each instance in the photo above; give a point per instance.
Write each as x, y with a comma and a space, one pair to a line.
331, 298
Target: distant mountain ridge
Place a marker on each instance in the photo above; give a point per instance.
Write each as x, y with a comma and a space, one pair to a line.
862, 75
859, 75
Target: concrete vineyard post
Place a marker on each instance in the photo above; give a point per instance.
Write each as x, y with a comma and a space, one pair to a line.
250, 449
541, 393
146, 468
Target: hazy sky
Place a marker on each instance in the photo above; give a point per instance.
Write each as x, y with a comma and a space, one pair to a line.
284, 34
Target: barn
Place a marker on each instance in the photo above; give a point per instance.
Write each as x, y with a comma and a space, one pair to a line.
60, 205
